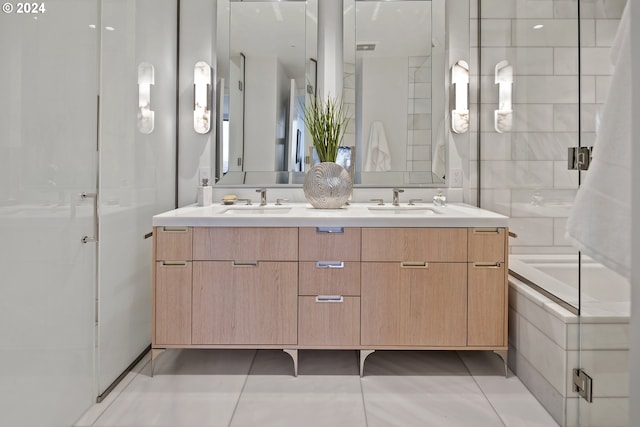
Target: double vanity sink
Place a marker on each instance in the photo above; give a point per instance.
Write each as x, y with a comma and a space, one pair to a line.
364, 277
378, 210
355, 214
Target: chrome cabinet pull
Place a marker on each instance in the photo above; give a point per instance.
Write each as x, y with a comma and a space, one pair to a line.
329, 229
414, 264
94, 196
486, 231
330, 264
175, 229
487, 264
329, 298
245, 263
174, 263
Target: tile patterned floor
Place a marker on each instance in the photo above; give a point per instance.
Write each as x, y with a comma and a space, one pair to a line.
256, 388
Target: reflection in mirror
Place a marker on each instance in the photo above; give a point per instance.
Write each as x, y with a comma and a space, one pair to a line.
394, 77
264, 80
394, 86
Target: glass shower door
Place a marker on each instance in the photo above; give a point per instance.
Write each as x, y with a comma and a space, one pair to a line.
137, 170
529, 115
48, 158
604, 294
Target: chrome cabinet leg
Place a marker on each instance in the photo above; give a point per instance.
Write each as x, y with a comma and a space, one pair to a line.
503, 354
294, 356
363, 356
155, 352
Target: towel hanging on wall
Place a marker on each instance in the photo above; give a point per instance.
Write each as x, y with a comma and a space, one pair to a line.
378, 155
600, 221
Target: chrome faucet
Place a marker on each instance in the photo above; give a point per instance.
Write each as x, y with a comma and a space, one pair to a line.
263, 196
396, 196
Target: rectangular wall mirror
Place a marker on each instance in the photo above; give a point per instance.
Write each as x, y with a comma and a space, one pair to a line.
394, 88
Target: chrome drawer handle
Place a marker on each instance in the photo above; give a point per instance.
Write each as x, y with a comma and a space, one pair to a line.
329, 229
486, 231
330, 264
329, 298
487, 264
175, 229
414, 264
174, 263
245, 263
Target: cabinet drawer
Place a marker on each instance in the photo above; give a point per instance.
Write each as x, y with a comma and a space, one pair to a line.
245, 243
329, 243
414, 244
487, 244
329, 323
337, 278
173, 243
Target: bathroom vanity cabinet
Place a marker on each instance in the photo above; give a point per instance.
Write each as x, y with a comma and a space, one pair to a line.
304, 287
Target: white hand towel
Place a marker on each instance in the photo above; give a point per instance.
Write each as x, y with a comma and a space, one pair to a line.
599, 223
378, 155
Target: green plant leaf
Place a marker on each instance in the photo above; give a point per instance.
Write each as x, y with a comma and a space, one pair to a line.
326, 122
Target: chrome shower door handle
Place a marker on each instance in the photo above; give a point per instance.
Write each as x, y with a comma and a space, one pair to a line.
94, 196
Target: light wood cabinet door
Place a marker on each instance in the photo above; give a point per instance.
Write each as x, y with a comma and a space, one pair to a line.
172, 309
329, 278
329, 243
414, 306
173, 243
236, 304
487, 305
245, 243
487, 244
414, 244
324, 322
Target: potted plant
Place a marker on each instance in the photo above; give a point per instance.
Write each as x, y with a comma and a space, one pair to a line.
326, 121
326, 184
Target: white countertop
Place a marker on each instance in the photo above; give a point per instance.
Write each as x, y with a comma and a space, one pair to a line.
354, 215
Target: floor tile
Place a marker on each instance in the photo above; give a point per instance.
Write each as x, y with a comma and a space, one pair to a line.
257, 388
408, 388
510, 398
326, 393
189, 388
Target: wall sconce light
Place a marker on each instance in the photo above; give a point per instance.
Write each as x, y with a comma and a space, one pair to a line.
503, 116
460, 81
201, 90
146, 117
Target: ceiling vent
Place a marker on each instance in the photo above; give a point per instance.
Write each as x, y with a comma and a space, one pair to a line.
366, 46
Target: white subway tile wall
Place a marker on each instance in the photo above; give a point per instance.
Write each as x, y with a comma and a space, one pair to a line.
544, 349
547, 93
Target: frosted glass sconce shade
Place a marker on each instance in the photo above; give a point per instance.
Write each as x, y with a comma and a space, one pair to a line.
146, 117
460, 112
201, 97
503, 116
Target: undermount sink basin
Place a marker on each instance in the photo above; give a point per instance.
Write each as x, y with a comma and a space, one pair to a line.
257, 210
402, 210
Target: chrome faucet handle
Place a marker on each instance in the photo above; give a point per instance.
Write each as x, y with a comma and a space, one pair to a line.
412, 202
380, 201
263, 196
279, 201
246, 201
396, 196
